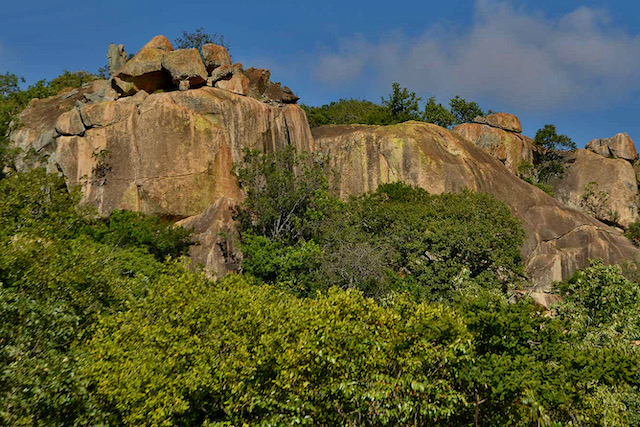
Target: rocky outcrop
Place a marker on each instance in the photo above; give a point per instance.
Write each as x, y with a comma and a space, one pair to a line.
166, 153
559, 239
185, 65
158, 67
499, 134
36, 137
603, 187
619, 146
503, 121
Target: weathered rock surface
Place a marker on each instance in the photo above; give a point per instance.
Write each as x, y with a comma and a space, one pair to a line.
605, 188
70, 123
38, 133
158, 42
619, 146
169, 153
511, 148
502, 121
116, 57
559, 239
216, 233
185, 65
143, 72
238, 83
215, 56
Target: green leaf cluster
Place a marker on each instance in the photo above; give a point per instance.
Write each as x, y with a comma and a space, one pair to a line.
399, 106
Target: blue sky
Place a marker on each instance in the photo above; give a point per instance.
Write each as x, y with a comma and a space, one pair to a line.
572, 63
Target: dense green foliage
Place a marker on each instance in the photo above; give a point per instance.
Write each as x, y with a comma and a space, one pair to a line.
547, 161
399, 106
399, 238
58, 269
97, 327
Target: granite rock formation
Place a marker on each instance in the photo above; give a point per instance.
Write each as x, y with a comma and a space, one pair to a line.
500, 134
559, 239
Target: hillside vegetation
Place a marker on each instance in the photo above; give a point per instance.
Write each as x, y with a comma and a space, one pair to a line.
392, 308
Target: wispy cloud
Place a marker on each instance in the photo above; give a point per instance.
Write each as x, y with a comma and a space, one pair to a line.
518, 57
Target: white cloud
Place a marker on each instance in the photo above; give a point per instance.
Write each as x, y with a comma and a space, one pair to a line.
514, 56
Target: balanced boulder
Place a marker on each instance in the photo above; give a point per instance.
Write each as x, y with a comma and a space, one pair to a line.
144, 71
497, 134
215, 56
185, 65
503, 121
605, 188
619, 146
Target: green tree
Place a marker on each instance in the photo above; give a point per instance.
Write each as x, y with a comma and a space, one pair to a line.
437, 114
286, 194
402, 104
347, 111
198, 38
463, 110
548, 138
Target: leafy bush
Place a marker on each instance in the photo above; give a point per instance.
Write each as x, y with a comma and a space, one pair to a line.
399, 238
192, 352
347, 111
399, 106
133, 229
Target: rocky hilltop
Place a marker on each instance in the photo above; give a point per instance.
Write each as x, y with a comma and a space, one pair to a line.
559, 239
161, 136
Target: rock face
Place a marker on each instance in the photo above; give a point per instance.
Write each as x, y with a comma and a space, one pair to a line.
501, 121
619, 146
558, 241
166, 153
185, 65
152, 148
508, 146
605, 188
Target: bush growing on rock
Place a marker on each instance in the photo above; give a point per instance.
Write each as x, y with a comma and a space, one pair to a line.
398, 238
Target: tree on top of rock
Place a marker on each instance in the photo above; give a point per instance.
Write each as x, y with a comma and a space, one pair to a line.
464, 111
198, 38
548, 138
401, 104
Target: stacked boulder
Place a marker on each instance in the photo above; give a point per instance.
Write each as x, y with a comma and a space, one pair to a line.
158, 67
501, 135
601, 180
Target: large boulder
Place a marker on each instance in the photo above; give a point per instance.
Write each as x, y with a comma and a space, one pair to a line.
512, 149
185, 65
215, 56
503, 121
144, 71
605, 188
217, 235
619, 146
559, 239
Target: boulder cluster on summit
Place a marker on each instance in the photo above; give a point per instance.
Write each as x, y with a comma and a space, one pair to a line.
158, 67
